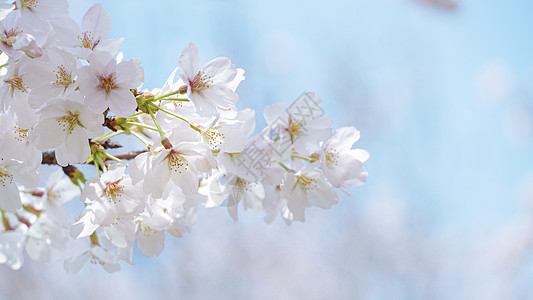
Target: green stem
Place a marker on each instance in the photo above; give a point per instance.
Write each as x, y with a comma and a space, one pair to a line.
143, 125
4, 220
135, 134
135, 114
113, 157
32, 210
284, 167
4, 65
303, 157
177, 116
175, 99
166, 95
94, 240
97, 168
161, 133
107, 135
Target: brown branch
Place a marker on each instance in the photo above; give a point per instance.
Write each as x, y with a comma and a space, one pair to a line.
129, 155
49, 157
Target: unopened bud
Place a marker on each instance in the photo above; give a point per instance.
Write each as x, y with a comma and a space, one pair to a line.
37, 192
166, 143
183, 89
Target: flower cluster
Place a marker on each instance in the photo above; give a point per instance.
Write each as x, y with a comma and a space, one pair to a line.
66, 92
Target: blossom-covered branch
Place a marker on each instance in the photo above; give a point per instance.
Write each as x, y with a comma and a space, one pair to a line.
66, 94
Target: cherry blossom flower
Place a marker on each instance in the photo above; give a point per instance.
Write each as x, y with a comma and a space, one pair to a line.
91, 38
213, 86
66, 125
182, 164
52, 76
308, 187
341, 164
97, 255
17, 144
107, 85
286, 129
11, 248
10, 174
33, 11
112, 203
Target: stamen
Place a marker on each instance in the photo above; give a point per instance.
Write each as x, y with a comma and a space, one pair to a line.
5, 178
69, 122
201, 81
88, 41
113, 190
21, 135
176, 162
307, 183
63, 78
106, 82
17, 84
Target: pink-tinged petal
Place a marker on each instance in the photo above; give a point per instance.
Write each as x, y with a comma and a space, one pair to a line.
322, 195
97, 21
239, 77
151, 242
10, 200
130, 74
139, 167
111, 46
62, 155
220, 70
205, 107
49, 134
344, 138
102, 63
38, 250
77, 146
28, 178
92, 123
297, 203
221, 96
111, 267
122, 102
87, 80
234, 139
189, 62
52, 9
275, 113
75, 263
357, 177
360, 154
66, 30
97, 101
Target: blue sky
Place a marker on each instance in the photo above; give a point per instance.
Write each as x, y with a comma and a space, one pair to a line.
444, 104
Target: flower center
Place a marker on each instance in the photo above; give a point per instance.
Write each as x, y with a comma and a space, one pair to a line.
201, 81
214, 138
5, 178
296, 127
63, 78
106, 82
17, 84
113, 190
29, 3
11, 35
332, 157
176, 162
69, 122
88, 41
306, 183
21, 135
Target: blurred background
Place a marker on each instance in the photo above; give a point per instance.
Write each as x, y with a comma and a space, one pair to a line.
441, 92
